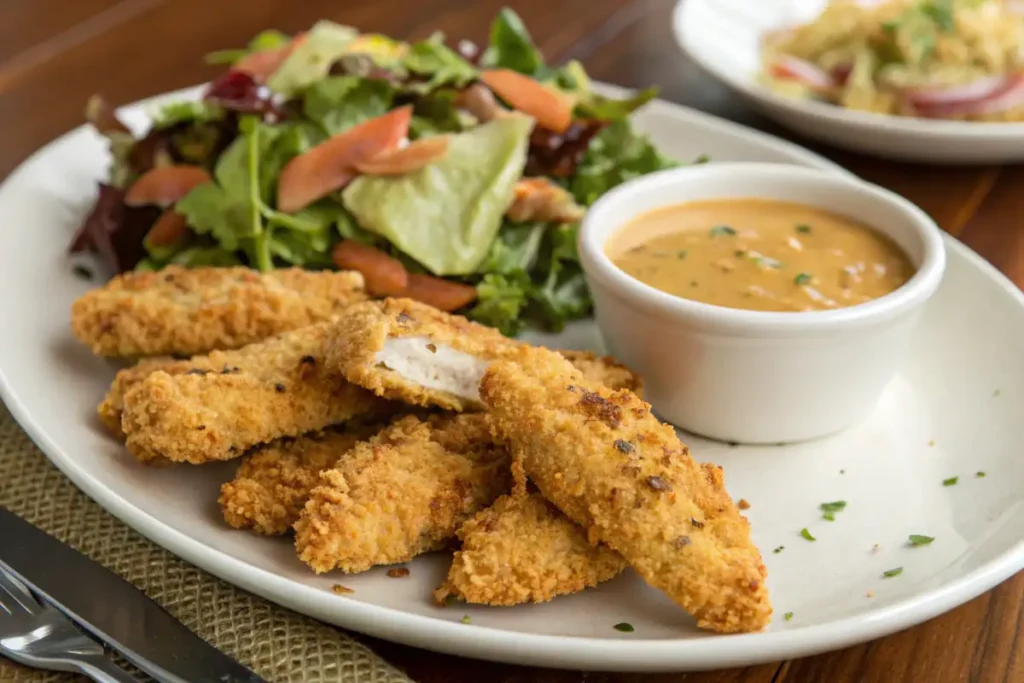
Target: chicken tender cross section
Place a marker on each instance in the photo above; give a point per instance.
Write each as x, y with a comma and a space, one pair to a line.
403, 493
522, 549
273, 484
183, 312
266, 391
414, 353
411, 352
603, 459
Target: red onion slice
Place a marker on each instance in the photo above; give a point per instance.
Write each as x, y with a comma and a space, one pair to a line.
793, 68
1009, 96
958, 94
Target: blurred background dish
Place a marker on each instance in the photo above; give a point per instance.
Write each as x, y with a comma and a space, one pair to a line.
726, 38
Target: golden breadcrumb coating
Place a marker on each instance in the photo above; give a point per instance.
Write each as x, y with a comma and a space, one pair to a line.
109, 410
356, 340
403, 493
606, 462
273, 483
187, 311
522, 549
273, 389
604, 370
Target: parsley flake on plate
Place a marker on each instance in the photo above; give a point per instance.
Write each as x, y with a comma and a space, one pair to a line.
807, 534
951, 481
788, 615
892, 572
918, 539
625, 627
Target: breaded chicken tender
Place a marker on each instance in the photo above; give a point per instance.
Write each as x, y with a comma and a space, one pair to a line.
606, 462
410, 352
270, 390
109, 411
273, 484
187, 311
604, 370
522, 549
403, 493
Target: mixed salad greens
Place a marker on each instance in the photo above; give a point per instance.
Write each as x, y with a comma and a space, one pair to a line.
320, 149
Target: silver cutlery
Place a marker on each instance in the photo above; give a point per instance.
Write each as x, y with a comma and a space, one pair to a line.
111, 609
36, 634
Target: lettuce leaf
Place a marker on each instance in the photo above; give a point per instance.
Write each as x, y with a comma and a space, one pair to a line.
267, 40
511, 47
616, 154
446, 215
187, 111
432, 59
594, 106
311, 60
340, 102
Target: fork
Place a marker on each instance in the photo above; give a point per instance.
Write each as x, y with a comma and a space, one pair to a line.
37, 634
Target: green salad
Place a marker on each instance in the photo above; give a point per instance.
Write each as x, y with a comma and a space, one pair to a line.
460, 169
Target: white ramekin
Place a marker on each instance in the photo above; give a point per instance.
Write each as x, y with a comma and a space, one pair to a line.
751, 376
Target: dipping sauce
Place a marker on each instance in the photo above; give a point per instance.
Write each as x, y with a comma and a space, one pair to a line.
760, 255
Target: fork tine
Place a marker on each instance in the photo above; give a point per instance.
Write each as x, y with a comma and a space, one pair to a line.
18, 592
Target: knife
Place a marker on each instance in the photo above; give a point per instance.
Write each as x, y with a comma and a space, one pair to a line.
112, 609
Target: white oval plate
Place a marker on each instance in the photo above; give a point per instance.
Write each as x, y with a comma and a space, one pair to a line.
968, 348
723, 37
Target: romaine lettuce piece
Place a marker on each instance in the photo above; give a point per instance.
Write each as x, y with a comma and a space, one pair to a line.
312, 59
446, 216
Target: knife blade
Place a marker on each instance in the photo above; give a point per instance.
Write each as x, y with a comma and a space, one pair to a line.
112, 609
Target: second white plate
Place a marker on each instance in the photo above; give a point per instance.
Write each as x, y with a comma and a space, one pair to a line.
887, 469
724, 36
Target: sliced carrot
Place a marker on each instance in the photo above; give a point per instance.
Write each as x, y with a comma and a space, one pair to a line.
262, 65
165, 185
552, 109
384, 276
410, 158
330, 165
168, 229
442, 294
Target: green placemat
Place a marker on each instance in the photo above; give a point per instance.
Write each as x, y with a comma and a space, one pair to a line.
276, 643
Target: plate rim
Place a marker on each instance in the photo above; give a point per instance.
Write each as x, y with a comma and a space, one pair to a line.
849, 118
495, 644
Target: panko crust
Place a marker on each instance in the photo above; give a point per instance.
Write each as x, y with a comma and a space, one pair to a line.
403, 493
273, 483
187, 311
355, 340
109, 410
606, 462
265, 391
523, 550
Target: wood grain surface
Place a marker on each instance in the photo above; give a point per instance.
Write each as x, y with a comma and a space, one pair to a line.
55, 53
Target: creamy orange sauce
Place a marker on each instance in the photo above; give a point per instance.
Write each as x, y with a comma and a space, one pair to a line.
760, 254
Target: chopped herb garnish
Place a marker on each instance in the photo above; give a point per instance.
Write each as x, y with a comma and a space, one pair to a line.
693, 283
893, 572
720, 230
625, 627
941, 12
681, 254
82, 272
787, 616
979, 474
465, 619
951, 481
802, 279
779, 549
918, 539
842, 471
739, 253
767, 262
829, 510
807, 534
702, 159
804, 228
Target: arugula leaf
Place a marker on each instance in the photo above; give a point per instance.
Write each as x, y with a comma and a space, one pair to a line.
511, 46
443, 66
340, 102
186, 111
267, 40
615, 155
594, 106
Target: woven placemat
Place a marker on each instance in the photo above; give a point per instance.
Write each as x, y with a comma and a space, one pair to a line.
275, 642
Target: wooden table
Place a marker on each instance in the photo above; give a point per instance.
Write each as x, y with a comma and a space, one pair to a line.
55, 53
